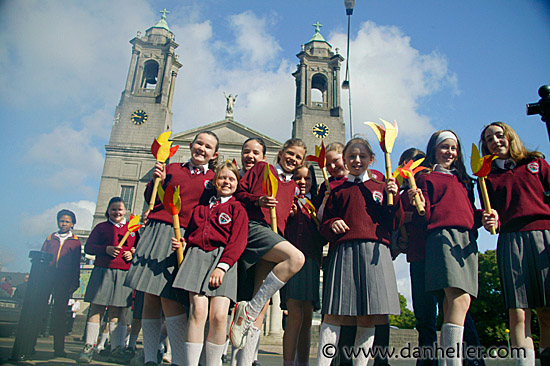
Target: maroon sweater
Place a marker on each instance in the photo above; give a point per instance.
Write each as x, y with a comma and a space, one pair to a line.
448, 203
335, 182
363, 208
192, 192
517, 195
302, 231
67, 269
225, 225
106, 234
250, 190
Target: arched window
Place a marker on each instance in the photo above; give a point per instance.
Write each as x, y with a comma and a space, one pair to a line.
150, 74
319, 91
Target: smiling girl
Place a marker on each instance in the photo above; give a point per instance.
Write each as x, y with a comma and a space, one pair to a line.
451, 223
281, 260
216, 237
359, 282
516, 186
106, 286
155, 264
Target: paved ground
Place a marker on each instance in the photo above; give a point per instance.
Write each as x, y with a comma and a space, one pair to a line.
270, 355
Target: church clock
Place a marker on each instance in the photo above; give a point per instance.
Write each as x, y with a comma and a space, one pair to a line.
139, 117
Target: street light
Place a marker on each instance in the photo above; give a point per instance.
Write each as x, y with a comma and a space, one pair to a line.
349, 4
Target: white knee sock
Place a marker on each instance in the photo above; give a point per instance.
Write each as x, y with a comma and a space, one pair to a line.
225, 346
214, 353
270, 286
192, 354
176, 328
246, 355
257, 343
364, 338
451, 338
525, 359
151, 336
328, 343
92, 331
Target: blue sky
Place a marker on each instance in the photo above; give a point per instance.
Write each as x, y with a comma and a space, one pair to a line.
428, 64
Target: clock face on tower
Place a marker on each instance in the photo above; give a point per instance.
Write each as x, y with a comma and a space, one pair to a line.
139, 117
320, 130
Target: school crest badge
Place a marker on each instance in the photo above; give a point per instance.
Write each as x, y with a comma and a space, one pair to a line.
224, 219
132, 234
377, 196
533, 167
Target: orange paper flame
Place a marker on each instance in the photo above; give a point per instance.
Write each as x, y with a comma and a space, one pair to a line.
481, 166
271, 183
409, 169
386, 133
133, 224
319, 156
170, 199
162, 149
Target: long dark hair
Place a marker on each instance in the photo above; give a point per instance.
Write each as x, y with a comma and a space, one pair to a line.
113, 201
458, 164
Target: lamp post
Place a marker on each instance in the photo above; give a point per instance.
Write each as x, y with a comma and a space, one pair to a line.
350, 4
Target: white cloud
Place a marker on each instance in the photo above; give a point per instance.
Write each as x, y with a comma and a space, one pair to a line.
389, 78
65, 157
46, 222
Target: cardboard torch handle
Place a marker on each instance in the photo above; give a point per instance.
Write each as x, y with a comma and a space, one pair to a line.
486, 201
325, 175
154, 193
123, 239
273, 215
419, 206
389, 174
177, 234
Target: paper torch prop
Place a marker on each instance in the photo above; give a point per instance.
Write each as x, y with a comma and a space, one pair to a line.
172, 203
133, 226
320, 158
307, 207
270, 185
162, 150
481, 167
386, 134
407, 171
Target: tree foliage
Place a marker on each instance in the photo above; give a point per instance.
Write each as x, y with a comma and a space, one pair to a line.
406, 319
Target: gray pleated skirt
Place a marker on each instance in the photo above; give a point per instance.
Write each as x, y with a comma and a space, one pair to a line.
523, 260
359, 280
106, 287
154, 265
451, 260
304, 285
261, 239
195, 272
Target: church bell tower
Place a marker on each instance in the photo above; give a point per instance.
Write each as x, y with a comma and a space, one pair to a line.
318, 111
143, 113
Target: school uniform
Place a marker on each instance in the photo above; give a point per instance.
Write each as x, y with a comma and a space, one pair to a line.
63, 279
359, 279
523, 248
451, 223
301, 230
261, 239
106, 284
216, 237
155, 263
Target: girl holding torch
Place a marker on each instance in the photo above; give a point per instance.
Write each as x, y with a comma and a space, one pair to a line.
113, 244
516, 185
451, 222
155, 264
281, 260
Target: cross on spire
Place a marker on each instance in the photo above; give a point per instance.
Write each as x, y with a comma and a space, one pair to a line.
164, 12
317, 27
